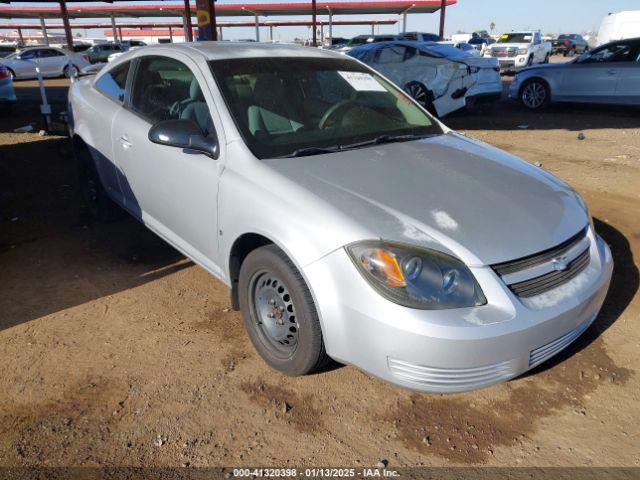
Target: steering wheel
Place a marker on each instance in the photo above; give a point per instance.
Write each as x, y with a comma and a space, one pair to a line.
340, 107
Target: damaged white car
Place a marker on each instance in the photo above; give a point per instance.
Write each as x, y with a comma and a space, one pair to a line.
441, 78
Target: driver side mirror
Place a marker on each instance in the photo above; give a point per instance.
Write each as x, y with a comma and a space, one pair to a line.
183, 133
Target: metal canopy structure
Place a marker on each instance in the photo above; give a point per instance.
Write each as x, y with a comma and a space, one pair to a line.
207, 11
388, 7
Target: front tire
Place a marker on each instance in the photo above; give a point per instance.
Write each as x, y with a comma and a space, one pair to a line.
279, 313
535, 94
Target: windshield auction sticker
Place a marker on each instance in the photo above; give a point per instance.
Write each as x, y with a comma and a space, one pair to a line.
362, 82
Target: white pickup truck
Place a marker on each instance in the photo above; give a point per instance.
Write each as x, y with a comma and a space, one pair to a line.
516, 50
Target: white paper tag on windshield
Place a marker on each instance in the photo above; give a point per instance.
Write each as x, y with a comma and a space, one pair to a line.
362, 82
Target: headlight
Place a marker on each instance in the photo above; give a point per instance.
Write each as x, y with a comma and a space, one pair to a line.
416, 277
523, 51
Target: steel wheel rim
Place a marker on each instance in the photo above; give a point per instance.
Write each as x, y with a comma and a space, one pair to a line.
534, 95
417, 93
274, 313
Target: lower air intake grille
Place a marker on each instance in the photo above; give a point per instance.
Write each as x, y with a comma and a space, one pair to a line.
450, 379
539, 355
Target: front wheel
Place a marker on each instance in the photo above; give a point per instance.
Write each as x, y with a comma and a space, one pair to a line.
279, 313
535, 94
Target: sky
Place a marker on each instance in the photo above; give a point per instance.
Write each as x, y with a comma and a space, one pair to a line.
550, 16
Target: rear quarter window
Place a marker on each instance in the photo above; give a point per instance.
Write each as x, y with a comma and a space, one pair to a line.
113, 83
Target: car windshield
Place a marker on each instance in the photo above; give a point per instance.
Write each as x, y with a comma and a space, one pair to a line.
303, 106
515, 38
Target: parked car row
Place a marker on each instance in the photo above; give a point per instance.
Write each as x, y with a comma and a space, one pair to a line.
51, 61
347, 221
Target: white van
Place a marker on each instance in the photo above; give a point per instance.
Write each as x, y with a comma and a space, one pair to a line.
619, 26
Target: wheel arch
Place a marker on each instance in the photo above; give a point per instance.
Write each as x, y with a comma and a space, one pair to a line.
532, 78
240, 249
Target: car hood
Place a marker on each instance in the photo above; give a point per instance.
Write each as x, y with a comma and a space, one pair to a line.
510, 45
446, 192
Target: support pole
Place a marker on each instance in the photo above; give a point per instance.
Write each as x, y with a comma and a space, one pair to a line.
67, 26
220, 33
443, 6
321, 33
257, 19
114, 32
314, 12
271, 33
373, 31
45, 37
214, 21
20, 36
330, 27
120, 33
404, 22
188, 36
170, 34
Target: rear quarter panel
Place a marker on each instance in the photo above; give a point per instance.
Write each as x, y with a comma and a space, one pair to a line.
92, 114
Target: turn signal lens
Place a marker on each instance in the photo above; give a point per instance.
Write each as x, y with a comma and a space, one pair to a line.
383, 265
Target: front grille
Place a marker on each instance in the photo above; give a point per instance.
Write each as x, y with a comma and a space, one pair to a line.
549, 281
538, 258
544, 275
504, 52
450, 379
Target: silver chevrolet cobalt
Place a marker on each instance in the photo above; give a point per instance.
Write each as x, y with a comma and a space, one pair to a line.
348, 222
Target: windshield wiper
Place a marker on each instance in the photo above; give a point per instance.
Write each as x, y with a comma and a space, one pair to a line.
386, 139
303, 152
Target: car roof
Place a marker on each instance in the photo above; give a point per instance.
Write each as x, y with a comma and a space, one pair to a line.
227, 50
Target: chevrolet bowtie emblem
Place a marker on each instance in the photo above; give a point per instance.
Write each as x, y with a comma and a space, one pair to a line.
560, 263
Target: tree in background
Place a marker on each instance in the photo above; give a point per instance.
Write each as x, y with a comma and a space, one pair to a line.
492, 27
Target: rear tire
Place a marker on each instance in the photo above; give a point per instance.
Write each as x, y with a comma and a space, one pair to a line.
279, 313
95, 197
535, 94
422, 95
66, 72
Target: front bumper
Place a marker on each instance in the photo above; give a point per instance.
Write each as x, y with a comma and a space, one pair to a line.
512, 64
459, 349
7, 93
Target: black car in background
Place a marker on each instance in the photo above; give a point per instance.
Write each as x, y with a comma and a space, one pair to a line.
479, 43
569, 44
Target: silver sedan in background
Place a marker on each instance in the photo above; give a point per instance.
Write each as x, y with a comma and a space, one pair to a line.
609, 74
52, 61
347, 221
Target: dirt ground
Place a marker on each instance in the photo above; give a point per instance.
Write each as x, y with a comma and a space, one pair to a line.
116, 350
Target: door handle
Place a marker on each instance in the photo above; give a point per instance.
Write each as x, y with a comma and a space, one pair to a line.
124, 141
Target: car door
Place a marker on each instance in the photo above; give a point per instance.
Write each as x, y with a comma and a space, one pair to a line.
172, 190
594, 77
51, 61
628, 86
538, 51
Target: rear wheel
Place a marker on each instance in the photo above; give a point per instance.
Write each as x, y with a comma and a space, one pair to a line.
67, 72
535, 94
279, 313
421, 94
100, 206
571, 52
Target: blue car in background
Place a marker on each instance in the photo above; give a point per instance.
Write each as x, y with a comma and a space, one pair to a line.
7, 94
